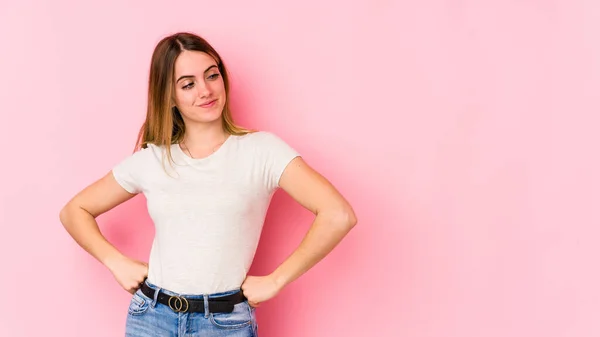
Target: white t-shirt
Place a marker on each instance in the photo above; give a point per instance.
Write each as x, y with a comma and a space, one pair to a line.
208, 212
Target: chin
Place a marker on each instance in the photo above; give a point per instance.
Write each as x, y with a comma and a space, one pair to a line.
208, 117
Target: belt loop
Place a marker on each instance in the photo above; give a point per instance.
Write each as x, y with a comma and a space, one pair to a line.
156, 291
206, 306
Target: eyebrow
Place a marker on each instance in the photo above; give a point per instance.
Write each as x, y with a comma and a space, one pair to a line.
192, 76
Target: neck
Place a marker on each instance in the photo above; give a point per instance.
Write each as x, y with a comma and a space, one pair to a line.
202, 137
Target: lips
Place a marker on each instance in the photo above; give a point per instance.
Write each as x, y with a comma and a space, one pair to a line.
208, 104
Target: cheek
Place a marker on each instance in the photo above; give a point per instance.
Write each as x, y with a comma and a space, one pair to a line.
218, 88
185, 97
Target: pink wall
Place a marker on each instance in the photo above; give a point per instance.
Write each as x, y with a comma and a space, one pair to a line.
461, 131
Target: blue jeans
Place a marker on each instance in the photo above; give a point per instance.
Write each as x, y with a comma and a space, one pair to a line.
149, 318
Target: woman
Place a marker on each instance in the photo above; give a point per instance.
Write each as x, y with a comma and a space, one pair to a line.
208, 184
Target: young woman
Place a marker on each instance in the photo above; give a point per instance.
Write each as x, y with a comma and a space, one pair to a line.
208, 184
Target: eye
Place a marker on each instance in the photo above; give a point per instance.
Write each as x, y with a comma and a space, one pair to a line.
188, 86
214, 76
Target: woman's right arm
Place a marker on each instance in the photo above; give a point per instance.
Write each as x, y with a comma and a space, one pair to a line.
78, 217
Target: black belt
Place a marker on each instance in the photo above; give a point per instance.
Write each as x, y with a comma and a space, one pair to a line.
184, 304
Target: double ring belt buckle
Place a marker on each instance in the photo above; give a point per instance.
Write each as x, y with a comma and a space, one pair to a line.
178, 304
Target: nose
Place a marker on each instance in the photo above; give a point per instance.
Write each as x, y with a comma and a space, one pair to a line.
203, 90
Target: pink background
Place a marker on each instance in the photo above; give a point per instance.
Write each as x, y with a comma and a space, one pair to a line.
463, 132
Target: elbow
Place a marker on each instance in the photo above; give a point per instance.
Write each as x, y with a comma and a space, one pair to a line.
66, 214
350, 218
63, 215
343, 217
73, 212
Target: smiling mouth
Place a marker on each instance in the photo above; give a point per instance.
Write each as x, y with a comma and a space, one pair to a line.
208, 104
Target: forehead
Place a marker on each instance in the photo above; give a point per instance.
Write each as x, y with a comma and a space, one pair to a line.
192, 63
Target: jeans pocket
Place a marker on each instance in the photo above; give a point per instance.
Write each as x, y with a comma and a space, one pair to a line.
139, 304
239, 318
254, 322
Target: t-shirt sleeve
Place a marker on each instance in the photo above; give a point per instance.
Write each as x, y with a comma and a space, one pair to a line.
127, 172
276, 154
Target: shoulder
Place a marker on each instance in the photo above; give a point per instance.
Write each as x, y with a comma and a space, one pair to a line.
144, 155
262, 138
271, 146
149, 152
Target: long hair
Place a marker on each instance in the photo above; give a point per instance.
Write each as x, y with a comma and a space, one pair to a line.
164, 125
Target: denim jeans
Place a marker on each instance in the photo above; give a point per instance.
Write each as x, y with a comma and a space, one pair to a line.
147, 317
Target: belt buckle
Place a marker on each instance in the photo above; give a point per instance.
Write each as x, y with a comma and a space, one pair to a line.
177, 303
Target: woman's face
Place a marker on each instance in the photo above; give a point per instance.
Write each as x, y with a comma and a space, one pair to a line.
199, 88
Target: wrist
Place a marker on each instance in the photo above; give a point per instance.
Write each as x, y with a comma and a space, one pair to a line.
110, 261
279, 280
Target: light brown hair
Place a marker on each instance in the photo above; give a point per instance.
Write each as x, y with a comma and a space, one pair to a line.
164, 125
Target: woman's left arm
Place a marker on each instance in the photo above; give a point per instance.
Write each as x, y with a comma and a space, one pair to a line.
334, 219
